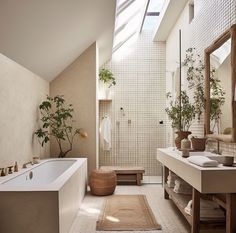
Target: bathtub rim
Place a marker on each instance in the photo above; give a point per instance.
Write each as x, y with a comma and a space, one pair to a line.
55, 185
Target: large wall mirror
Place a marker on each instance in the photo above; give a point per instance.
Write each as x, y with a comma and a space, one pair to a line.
220, 89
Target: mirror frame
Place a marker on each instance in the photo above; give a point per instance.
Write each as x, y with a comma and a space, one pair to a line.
230, 33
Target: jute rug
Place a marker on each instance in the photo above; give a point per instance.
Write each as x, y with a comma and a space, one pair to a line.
127, 213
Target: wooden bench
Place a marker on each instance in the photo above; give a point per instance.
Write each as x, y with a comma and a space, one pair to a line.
127, 174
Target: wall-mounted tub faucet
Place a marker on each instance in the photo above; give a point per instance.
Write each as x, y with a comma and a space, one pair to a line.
25, 164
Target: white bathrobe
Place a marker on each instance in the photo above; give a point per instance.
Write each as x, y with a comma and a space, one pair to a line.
105, 134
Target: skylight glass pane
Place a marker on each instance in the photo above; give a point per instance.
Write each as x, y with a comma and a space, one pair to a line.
155, 5
129, 16
131, 26
128, 12
150, 22
120, 2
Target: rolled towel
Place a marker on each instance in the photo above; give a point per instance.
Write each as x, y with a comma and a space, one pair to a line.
171, 179
182, 187
188, 208
170, 184
202, 161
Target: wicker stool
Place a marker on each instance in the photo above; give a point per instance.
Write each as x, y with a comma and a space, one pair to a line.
102, 182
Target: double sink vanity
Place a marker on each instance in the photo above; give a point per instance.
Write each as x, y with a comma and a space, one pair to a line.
215, 183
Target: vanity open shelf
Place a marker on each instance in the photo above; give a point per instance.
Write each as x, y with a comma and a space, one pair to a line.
181, 201
215, 183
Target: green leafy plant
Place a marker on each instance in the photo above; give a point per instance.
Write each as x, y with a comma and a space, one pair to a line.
195, 78
57, 121
107, 77
181, 117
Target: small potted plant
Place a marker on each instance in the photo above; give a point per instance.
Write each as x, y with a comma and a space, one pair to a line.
57, 121
181, 116
107, 77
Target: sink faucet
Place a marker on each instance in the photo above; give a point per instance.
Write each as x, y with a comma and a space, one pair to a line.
25, 164
216, 151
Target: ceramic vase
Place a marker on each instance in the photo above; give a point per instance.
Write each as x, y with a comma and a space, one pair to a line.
180, 136
185, 144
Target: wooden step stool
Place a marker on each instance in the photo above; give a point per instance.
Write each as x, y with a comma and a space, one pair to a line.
127, 174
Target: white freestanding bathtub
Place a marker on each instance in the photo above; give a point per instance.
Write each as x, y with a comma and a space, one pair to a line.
43, 198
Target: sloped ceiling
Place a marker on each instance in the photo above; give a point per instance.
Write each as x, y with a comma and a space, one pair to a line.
45, 36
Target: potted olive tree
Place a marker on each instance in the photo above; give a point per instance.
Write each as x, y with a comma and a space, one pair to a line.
57, 121
108, 79
180, 115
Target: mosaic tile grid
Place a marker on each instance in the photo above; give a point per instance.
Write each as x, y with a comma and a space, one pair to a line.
212, 19
140, 91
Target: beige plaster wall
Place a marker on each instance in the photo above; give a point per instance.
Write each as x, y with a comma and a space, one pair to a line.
21, 92
78, 84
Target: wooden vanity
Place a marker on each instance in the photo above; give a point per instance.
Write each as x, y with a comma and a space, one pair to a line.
218, 182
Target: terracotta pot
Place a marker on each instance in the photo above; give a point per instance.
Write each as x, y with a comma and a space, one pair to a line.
198, 143
181, 135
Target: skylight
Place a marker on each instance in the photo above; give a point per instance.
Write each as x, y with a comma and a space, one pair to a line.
133, 16
152, 13
129, 15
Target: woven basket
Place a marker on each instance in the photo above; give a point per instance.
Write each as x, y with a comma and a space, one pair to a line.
102, 182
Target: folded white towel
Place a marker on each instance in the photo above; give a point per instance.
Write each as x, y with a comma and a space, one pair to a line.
202, 161
208, 210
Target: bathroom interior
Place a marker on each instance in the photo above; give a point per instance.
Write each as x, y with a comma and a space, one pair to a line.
94, 97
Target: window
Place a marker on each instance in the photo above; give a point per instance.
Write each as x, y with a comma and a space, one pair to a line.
133, 16
151, 17
129, 16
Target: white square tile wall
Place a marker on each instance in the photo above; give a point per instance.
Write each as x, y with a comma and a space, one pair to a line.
212, 18
140, 91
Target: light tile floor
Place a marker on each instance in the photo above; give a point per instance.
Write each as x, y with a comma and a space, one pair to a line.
165, 211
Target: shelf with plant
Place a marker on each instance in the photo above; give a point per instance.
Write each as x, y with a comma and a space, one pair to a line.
107, 78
